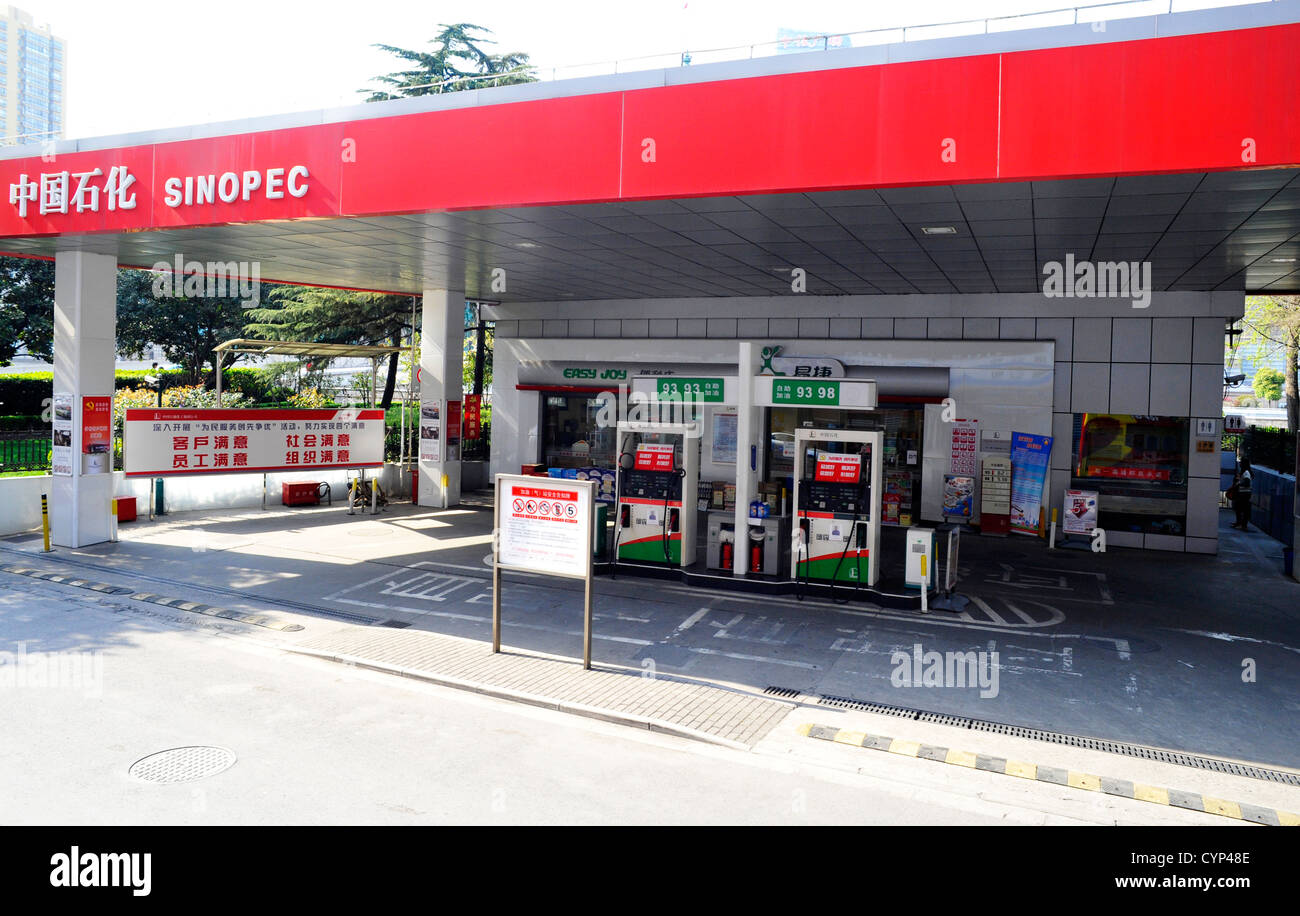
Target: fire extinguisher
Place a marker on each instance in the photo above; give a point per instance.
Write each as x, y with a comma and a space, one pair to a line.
756, 551
728, 555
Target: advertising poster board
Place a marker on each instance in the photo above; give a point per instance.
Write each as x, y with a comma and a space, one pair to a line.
96, 424
61, 436
965, 447
430, 432
1079, 514
166, 442
453, 430
724, 437
958, 497
1030, 454
473, 418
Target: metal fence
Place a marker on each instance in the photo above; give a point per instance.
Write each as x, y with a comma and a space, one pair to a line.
25, 450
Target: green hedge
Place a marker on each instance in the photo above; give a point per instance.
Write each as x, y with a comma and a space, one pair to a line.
24, 393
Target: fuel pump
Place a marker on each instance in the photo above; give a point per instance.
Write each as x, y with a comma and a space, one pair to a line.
658, 465
837, 506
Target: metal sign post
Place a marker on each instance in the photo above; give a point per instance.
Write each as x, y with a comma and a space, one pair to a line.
545, 526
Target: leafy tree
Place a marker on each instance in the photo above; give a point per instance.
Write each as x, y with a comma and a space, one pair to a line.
1272, 325
453, 65
187, 329
1268, 383
470, 353
26, 308
319, 315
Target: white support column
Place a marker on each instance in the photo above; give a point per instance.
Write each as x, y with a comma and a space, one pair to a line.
748, 429
85, 347
442, 341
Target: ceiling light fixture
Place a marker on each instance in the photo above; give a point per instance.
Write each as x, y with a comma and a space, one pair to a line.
939, 230
1282, 260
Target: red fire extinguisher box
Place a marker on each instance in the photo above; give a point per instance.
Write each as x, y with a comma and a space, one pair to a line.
300, 493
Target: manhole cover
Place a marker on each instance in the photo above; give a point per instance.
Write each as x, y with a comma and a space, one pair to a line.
183, 764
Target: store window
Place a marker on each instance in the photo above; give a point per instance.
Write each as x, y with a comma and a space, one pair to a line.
572, 437
1138, 467
902, 425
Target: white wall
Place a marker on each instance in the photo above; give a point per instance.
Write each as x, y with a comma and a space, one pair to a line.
20, 497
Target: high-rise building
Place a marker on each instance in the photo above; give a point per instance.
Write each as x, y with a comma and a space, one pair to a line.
33, 79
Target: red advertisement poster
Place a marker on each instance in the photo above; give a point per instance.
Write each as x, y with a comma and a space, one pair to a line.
96, 424
175, 441
473, 413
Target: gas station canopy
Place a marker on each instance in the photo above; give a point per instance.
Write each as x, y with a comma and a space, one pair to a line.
957, 166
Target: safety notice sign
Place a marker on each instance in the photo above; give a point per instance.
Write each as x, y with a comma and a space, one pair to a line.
544, 525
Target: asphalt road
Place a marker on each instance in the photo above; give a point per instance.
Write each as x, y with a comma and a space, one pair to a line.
319, 743
1187, 652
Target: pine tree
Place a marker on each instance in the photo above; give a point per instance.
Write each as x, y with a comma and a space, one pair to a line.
457, 63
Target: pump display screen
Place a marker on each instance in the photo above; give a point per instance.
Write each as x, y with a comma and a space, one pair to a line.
654, 457
837, 468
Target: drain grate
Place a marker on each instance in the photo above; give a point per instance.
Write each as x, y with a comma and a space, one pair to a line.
1195, 761
183, 764
785, 693
883, 709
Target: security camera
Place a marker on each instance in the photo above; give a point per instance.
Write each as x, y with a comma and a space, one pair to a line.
1234, 380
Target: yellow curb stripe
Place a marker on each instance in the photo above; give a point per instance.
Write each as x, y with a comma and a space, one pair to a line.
1220, 806
1153, 794
907, 748
1083, 781
1022, 769
961, 758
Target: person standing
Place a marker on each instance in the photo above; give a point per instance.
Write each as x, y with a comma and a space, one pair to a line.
1242, 491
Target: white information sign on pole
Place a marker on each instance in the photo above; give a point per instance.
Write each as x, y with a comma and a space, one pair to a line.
543, 525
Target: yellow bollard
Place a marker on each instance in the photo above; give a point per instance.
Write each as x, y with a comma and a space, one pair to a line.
113, 521
45, 520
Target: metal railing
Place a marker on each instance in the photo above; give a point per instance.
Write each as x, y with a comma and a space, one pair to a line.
25, 450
